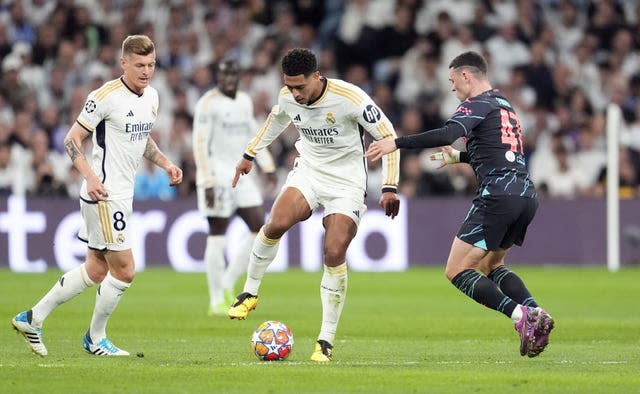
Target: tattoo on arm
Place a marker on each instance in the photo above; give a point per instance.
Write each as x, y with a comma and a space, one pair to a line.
72, 150
151, 151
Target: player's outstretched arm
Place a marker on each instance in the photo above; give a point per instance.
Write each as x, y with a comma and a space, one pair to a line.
244, 167
153, 154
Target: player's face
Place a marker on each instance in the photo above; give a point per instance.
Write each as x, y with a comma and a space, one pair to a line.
305, 90
459, 83
138, 70
228, 78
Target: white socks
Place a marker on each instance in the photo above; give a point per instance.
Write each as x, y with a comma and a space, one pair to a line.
214, 265
516, 315
107, 298
70, 285
263, 252
239, 264
333, 292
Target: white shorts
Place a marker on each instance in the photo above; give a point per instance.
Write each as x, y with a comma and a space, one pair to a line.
106, 224
228, 199
320, 190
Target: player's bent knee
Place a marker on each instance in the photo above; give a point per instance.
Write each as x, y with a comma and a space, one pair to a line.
334, 254
124, 275
276, 227
451, 272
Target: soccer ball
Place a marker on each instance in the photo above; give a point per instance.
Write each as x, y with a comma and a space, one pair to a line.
272, 341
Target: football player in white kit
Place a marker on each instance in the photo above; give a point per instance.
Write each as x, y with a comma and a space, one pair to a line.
118, 117
331, 116
223, 123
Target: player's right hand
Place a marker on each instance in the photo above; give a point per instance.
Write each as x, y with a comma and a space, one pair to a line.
95, 189
244, 167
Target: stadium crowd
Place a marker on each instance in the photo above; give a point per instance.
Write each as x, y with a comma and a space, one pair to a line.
559, 61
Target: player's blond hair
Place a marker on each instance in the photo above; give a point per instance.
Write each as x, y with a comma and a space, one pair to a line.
138, 44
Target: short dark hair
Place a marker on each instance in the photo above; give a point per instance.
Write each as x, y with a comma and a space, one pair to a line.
470, 59
299, 61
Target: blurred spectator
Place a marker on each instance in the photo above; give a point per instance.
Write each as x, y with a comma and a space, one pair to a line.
568, 24
480, 27
418, 73
443, 31
18, 26
8, 171
11, 87
629, 178
38, 11
45, 184
561, 177
5, 44
506, 42
567, 60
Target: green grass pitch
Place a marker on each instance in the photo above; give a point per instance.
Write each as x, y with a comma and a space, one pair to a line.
408, 332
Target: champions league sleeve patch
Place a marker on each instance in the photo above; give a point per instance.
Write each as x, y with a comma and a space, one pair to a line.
90, 106
371, 114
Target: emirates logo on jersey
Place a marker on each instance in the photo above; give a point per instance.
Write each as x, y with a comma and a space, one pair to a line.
330, 118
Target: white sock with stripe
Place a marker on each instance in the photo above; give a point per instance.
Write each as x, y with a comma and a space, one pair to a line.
333, 292
107, 298
68, 286
263, 252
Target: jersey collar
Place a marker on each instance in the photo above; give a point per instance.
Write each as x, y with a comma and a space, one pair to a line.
131, 90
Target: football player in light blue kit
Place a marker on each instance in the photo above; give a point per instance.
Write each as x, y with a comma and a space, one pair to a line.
119, 117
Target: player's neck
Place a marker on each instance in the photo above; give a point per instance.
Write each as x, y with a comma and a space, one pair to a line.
323, 85
134, 89
231, 95
480, 88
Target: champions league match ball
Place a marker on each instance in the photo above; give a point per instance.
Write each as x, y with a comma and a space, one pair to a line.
272, 341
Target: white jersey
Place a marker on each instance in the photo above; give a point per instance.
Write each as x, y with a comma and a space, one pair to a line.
120, 121
222, 127
331, 133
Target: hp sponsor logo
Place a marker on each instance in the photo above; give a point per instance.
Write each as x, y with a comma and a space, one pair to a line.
371, 114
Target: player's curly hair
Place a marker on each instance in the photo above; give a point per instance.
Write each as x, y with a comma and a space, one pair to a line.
299, 61
470, 59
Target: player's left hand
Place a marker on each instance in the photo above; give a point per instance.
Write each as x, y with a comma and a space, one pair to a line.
447, 155
379, 148
390, 203
175, 175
